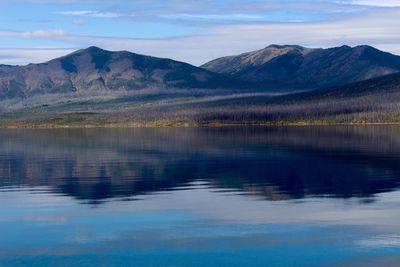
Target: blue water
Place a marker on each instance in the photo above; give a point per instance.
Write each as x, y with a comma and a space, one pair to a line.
306, 196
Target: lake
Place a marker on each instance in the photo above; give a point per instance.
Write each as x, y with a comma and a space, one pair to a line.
233, 196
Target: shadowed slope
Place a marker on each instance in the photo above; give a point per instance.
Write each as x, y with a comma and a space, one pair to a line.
295, 67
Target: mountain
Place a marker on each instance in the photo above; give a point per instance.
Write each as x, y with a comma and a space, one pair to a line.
375, 100
294, 67
372, 101
285, 68
98, 70
381, 86
102, 87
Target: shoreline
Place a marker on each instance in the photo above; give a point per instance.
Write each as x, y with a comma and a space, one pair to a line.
189, 125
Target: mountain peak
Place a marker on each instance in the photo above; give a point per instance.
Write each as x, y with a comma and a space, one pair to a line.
365, 47
236, 64
276, 46
294, 67
95, 69
345, 47
92, 50
95, 49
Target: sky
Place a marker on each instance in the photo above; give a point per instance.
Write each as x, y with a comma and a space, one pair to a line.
194, 31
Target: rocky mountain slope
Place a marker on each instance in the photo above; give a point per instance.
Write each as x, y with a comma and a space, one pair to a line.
96, 69
276, 67
295, 67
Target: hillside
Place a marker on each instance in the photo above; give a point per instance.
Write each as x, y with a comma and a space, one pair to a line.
275, 68
382, 85
94, 87
94, 69
298, 68
373, 101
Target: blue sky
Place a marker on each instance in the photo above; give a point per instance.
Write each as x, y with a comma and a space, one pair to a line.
194, 31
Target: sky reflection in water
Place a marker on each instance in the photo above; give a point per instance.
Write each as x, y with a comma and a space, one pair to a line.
317, 196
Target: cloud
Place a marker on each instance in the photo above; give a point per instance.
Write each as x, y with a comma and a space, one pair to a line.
6, 57
225, 17
373, 26
42, 21
14, 56
230, 4
39, 34
380, 3
78, 22
90, 13
376, 29
52, 33
58, 1
219, 11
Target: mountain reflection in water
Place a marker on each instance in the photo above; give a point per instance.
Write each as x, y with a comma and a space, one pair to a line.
96, 165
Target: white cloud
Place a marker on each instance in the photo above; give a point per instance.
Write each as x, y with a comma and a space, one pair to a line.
78, 22
377, 28
14, 56
90, 13
43, 33
39, 34
229, 17
376, 3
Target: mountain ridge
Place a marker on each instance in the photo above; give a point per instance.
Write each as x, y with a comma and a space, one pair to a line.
96, 69
297, 67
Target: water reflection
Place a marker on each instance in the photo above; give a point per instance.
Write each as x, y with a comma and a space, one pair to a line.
273, 163
320, 196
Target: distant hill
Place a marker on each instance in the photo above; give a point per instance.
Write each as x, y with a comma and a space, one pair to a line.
284, 68
94, 87
292, 67
372, 101
381, 86
97, 69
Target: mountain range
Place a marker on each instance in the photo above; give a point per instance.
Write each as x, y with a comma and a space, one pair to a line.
95, 69
295, 67
277, 84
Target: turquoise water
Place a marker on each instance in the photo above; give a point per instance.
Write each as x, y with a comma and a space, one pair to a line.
312, 196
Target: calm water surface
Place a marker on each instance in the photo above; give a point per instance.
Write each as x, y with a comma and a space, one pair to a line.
313, 196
